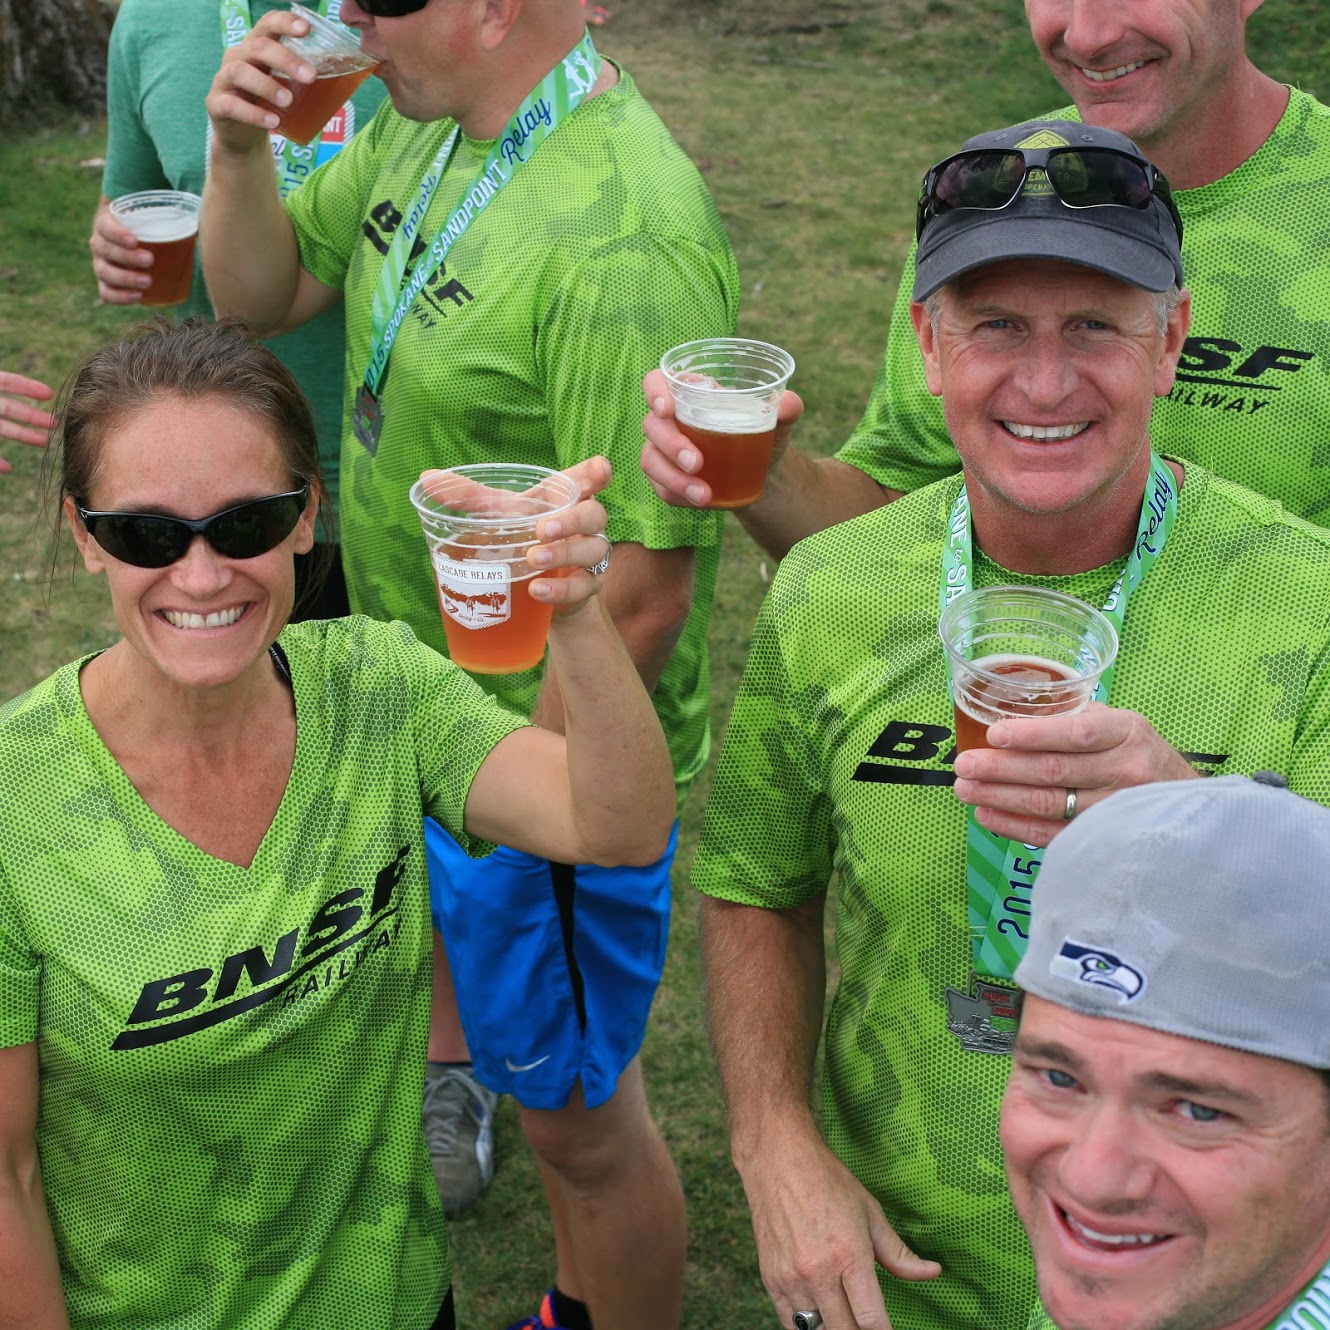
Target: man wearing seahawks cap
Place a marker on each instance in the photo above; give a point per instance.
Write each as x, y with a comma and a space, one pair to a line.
1167, 1121
1049, 314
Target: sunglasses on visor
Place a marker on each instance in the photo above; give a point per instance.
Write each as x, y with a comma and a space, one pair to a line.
390, 8
149, 540
991, 178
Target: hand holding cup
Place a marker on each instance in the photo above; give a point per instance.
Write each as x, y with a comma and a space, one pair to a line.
510, 544
720, 418
290, 73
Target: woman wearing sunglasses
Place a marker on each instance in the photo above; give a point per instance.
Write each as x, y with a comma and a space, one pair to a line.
214, 936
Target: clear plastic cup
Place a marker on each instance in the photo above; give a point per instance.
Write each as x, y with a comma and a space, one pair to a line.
342, 67
479, 522
166, 222
726, 394
1021, 651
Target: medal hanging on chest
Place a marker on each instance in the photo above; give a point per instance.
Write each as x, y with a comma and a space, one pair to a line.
999, 873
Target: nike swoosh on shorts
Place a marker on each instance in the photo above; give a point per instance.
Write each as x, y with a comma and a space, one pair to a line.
530, 1066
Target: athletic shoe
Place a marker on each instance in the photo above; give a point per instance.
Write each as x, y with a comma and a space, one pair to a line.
543, 1319
459, 1131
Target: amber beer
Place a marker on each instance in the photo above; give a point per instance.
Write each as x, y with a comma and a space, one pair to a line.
735, 450
166, 223
1004, 686
726, 393
491, 621
314, 104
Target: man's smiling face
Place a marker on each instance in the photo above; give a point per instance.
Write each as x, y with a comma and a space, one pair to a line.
1165, 1183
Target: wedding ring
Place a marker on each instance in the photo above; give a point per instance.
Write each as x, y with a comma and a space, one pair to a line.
807, 1320
1069, 811
596, 569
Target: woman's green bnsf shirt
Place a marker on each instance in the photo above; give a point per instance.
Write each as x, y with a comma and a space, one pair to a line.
229, 1123
528, 346
1252, 398
838, 762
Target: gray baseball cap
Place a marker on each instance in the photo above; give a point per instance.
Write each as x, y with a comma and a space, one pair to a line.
1140, 246
1198, 908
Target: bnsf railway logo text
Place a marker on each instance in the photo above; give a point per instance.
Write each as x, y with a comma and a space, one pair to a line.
1222, 375
342, 934
916, 753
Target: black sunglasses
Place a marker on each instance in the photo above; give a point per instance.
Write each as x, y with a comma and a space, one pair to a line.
991, 178
390, 8
150, 540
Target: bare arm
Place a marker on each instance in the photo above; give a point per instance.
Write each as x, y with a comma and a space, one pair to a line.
250, 258
802, 494
602, 791
819, 1234
648, 594
32, 1297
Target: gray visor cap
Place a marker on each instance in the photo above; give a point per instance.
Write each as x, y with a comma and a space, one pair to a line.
1139, 246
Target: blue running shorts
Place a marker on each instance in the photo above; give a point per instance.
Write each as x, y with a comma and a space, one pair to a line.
555, 966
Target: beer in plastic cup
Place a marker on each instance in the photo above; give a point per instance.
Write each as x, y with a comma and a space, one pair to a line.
166, 222
342, 67
726, 394
479, 522
1021, 651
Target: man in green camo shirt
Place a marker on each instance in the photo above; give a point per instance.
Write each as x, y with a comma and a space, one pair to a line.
540, 274
1050, 318
1249, 159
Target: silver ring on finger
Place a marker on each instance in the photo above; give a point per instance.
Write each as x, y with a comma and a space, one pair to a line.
1069, 809
807, 1320
597, 569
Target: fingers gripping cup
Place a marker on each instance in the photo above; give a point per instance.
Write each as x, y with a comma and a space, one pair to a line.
342, 67
726, 394
1021, 651
166, 222
479, 522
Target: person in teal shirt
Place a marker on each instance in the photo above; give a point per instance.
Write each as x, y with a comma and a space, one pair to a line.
160, 63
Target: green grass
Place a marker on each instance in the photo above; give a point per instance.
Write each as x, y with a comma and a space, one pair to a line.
813, 143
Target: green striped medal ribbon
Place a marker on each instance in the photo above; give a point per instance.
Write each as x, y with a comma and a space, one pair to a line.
543, 110
999, 873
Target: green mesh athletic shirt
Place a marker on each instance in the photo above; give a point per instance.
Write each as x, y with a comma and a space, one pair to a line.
837, 760
229, 1123
529, 346
1252, 399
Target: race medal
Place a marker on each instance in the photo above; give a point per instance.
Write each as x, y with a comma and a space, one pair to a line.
984, 1018
367, 419
999, 873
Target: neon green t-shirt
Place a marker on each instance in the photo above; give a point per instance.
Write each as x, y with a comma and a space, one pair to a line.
529, 346
837, 760
162, 57
1252, 399
229, 1124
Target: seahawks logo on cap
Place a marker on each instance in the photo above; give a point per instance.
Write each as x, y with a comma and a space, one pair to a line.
1094, 965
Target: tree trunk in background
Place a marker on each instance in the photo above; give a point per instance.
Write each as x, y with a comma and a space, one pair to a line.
53, 54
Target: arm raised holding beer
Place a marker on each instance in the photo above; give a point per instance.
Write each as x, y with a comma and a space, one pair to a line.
602, 791
250, 258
